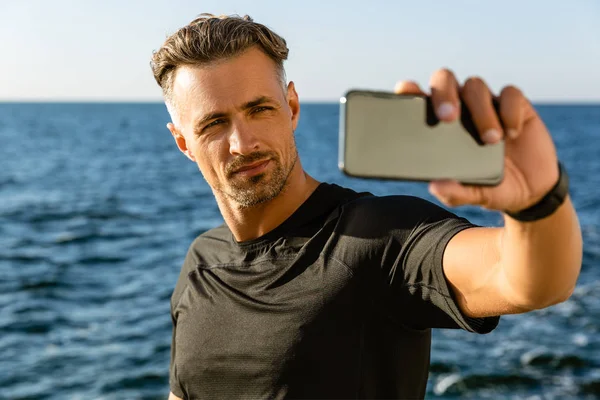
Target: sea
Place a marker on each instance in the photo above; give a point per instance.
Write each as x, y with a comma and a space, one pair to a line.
98, 208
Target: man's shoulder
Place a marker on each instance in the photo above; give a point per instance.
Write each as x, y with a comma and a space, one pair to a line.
217, 239
218, 233
368, 199
201, 247
392, 204
390, 212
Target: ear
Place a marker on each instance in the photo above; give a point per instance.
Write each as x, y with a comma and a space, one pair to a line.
180, 141
294, 104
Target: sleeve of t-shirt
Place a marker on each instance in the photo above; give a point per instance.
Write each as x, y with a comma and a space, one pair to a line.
402, 239
416, 276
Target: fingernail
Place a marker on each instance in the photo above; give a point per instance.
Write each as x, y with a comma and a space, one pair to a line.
445, 110
511, 133
491, 136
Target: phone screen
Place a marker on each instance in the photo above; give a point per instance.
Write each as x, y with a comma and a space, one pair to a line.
389, 136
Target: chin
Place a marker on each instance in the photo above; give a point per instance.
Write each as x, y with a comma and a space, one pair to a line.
256, 192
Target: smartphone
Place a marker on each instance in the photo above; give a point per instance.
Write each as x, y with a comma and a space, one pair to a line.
389, 136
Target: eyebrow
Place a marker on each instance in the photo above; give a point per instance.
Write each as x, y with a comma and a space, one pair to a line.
250, 104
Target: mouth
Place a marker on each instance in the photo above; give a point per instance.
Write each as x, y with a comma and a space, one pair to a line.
252, 169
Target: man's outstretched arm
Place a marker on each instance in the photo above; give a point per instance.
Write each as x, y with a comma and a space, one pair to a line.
518, 268
523, 265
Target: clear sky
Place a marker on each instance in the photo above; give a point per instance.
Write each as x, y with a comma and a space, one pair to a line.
99, 50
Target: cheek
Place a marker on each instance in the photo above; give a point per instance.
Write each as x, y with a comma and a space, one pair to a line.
280, 135
289, 143
212, 158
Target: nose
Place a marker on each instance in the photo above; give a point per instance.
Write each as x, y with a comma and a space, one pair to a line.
242, 139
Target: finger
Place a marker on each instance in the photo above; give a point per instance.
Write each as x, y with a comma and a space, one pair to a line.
444, 95
408, 87
512, 106
453, 193
477, 97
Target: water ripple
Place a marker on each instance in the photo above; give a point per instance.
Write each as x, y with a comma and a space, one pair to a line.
96, 221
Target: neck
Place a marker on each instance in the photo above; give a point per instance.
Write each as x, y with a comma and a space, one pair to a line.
253, 222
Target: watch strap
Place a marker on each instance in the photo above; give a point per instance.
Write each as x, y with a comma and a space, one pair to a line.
549, 203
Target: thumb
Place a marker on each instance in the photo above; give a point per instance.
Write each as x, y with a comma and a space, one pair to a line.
453, 193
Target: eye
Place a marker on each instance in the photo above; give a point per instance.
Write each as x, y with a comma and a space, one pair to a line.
214, 123
261, 109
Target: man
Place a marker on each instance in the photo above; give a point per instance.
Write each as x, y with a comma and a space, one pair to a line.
310, 290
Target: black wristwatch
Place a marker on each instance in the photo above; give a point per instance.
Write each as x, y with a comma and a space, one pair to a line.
549, 203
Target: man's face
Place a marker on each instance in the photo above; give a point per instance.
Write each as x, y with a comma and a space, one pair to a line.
234, 119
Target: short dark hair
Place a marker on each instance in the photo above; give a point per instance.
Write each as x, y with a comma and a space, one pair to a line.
211, 38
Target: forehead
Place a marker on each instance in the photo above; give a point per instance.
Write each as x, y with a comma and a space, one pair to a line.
223, 85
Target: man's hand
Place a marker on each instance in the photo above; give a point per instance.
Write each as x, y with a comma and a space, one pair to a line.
522, 266
530, 162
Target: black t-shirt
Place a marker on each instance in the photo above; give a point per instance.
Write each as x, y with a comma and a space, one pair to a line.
336, 302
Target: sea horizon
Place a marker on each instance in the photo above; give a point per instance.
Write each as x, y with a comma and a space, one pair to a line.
585, 102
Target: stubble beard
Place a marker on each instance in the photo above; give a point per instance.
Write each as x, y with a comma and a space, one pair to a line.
263, 187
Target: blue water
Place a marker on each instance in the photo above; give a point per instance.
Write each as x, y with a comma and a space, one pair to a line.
98, 207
